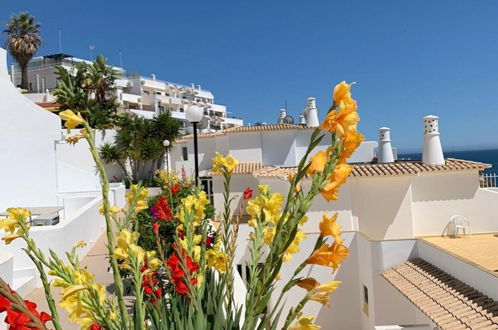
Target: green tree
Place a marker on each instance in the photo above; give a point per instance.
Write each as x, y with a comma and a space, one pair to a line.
23, 40
90, 90
139, 143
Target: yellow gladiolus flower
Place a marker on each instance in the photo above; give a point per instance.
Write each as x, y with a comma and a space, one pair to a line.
126, 238
217, 259
221, 164
18, 213
304, 323
71, 290
9, 238
322, 292
79, 244
141, 205
329, 226
9, 224
71, 119
294, 246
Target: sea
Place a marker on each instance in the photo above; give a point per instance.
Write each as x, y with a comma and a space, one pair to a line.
485, 156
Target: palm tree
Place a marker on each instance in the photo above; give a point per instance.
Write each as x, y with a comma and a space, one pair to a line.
23, 40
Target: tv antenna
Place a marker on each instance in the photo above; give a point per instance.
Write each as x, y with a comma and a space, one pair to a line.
60, 40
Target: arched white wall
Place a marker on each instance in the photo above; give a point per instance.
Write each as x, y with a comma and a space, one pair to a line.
27, 148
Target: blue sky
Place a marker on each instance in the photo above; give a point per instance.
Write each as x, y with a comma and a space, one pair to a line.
409, 58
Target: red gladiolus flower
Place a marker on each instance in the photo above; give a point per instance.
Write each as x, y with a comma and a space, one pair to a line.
155, 228
178, 276
95, 326
18, 320
209, 241
175, 189
151, 287
247, 193
161, 210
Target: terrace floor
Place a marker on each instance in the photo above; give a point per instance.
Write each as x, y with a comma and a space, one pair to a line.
480, 250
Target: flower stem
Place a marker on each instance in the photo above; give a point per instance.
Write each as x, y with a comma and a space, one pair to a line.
125, 317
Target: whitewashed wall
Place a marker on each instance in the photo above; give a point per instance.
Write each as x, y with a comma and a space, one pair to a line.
76, 170
383, 207
438, 197
27, 145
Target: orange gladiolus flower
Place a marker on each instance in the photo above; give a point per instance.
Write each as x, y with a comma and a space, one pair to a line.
329, 226
337, 178
317, 162
351, 142
342, 120
329, 255
342, 93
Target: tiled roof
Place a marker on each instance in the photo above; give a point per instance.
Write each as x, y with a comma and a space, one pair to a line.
389, 169
244, 129
245, 168
448, 302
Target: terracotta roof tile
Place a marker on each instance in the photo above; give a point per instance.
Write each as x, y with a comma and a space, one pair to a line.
244, 129
448, 302
244, 168
398, 168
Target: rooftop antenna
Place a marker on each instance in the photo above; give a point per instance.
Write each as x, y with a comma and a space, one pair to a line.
91, 47
120, 59
285, 105
60, 40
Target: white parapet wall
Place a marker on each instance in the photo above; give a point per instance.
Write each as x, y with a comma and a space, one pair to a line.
81, 221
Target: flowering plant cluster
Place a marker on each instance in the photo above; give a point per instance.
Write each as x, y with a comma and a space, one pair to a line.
182, 276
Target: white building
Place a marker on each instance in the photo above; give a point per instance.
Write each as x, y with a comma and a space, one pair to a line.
41, 172
144, 96
391, 213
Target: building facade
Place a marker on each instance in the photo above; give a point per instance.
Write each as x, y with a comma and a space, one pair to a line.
144, 96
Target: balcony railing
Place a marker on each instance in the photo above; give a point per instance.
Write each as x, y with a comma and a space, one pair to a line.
489, 180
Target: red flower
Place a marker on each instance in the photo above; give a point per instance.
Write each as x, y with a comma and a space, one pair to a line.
155, 228
178, 276
174, 189
151, 287
161, 210
209, 241
18, 320
247, 193
95, 326
4, 304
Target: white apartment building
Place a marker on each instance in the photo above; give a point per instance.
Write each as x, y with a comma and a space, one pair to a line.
144, 96
405, 270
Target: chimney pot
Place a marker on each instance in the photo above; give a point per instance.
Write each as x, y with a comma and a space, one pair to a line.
385, 148
311, 113
433, 152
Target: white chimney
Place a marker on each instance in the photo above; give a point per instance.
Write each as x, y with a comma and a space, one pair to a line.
385, 149
302, 121
433, 152
311, 113
281, 115
153, 77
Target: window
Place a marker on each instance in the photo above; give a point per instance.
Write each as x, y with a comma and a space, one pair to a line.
185, 153
146, 92
365, 300
207, 186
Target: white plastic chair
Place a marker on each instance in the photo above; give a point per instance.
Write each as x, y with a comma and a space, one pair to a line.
460, 222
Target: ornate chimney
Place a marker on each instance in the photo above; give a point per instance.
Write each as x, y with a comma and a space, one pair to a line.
302, 121
281, 115
433, 152
311, 113
385, 147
